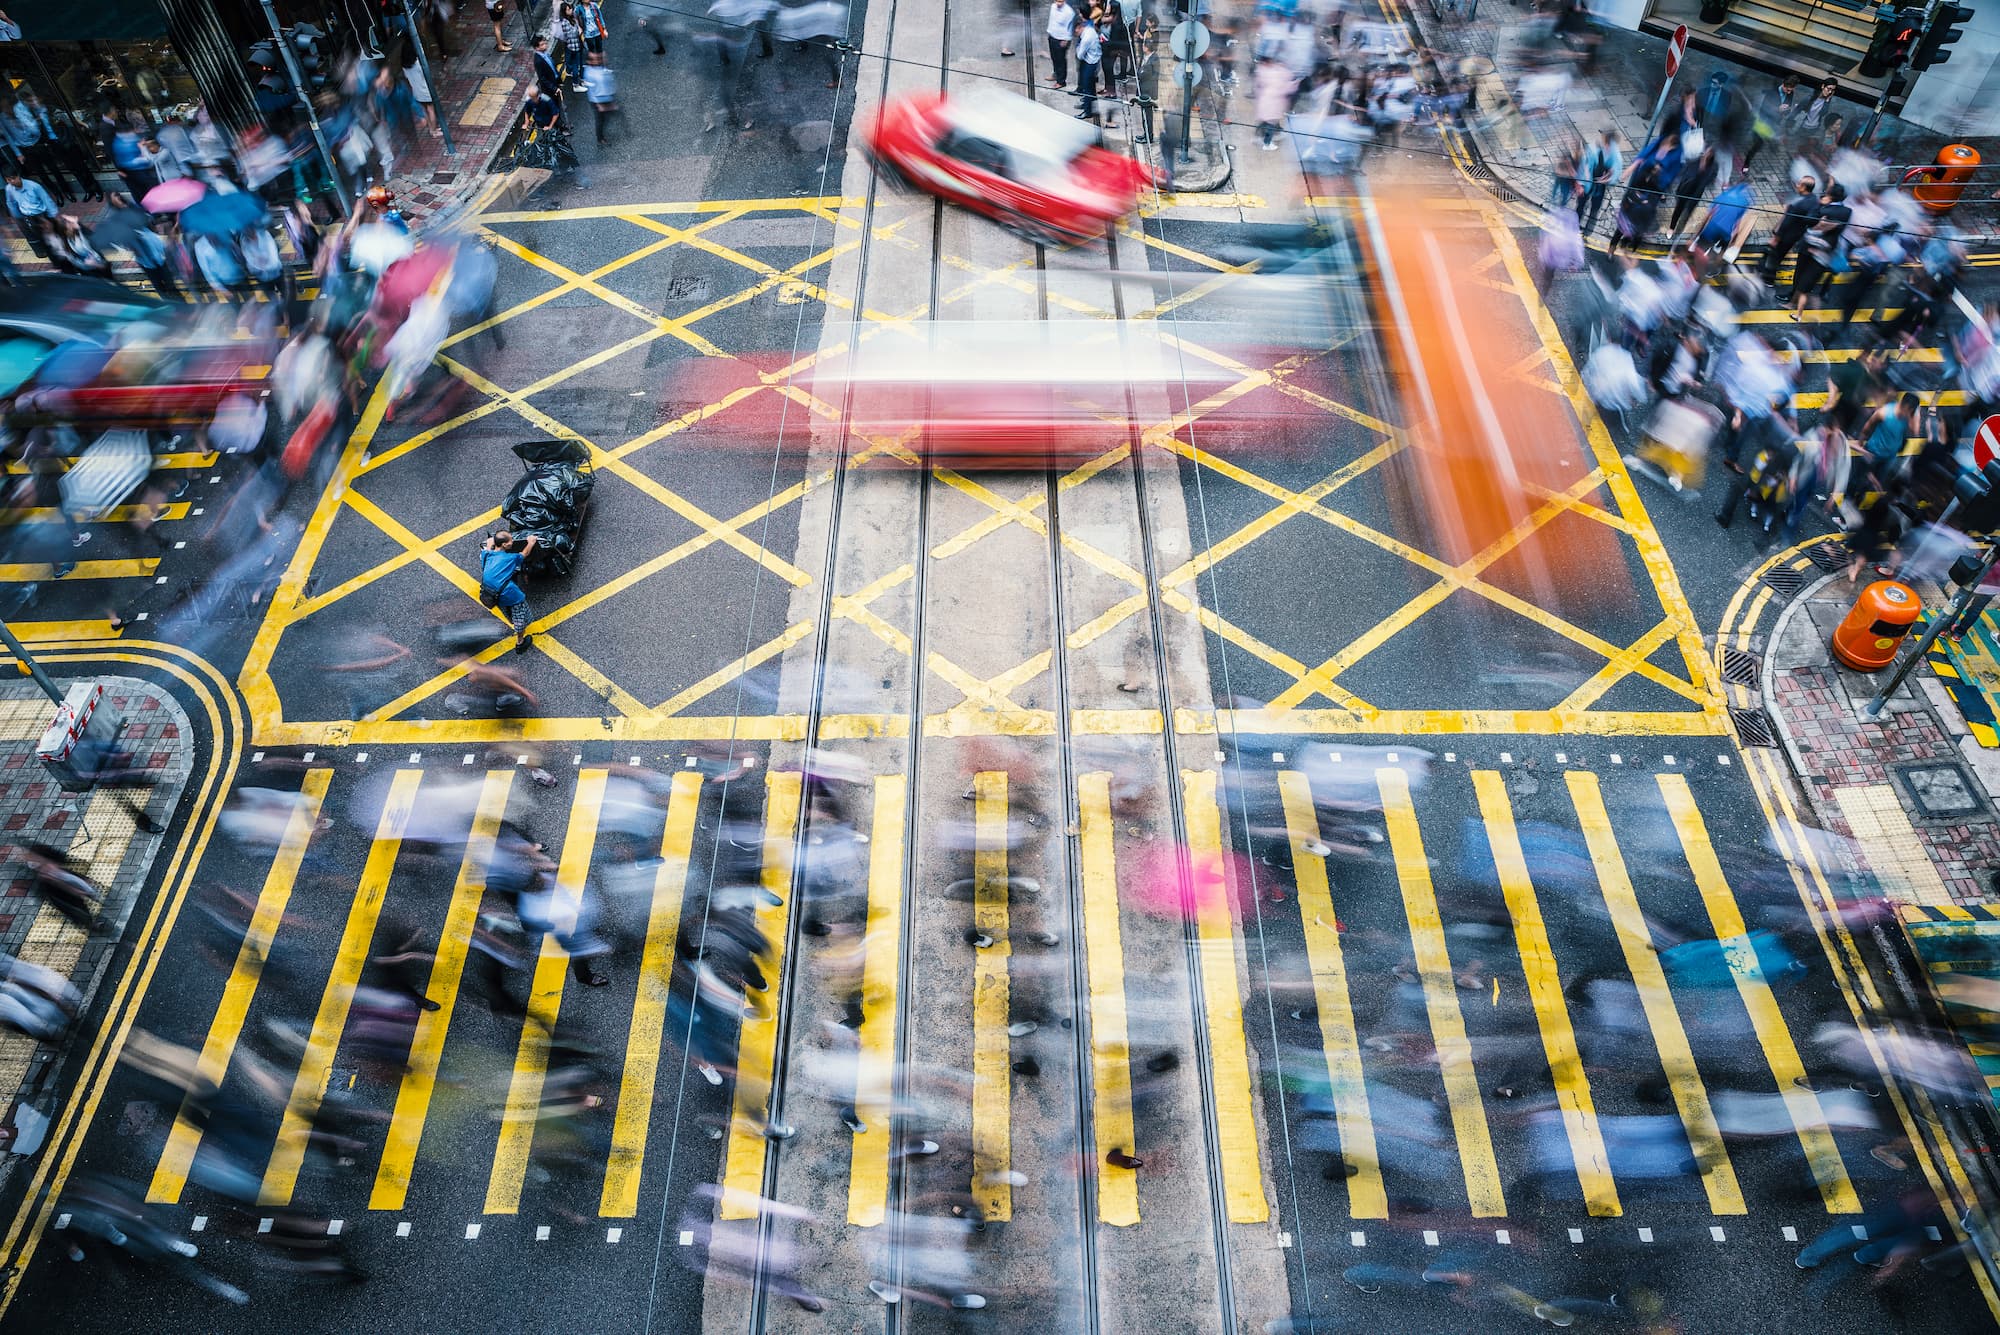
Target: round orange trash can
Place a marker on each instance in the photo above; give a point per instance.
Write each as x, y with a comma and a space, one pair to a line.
1873, 629
1945, 182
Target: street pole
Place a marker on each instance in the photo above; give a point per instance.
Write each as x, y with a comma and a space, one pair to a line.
1951, 614
20, 651
305, 100
1187, 111
424, 63
1659, 106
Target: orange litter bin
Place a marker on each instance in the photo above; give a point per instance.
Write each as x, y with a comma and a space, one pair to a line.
1869, 635
1946, 181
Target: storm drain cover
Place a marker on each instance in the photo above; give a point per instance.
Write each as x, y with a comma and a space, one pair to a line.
1940, 791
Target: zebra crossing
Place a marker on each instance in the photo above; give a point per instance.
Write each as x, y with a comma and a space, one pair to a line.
1581, 877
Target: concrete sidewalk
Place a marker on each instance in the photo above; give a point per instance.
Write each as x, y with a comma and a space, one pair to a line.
104, 843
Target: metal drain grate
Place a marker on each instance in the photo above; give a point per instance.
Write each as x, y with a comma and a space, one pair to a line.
1753, 727
1739, 668
1785, 580
1832, 557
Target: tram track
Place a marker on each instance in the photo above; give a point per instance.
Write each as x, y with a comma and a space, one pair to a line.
928, 981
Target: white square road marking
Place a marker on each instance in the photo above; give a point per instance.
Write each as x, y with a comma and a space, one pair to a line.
1791, 1234
1645, 1235
1430, 1237
687, 1237
1715, 1231
1576, 1235
200, 1223
471, 1232
403, 1229
333, 1227
541, 1233
1357, 1238
613, 1234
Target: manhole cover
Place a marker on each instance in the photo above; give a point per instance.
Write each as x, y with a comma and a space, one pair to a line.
687, 287
1739, 668
1831, 556
1753, 728
1941, 792
1785, 580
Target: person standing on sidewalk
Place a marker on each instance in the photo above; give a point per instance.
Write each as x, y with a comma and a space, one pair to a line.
1602, 164
499, 583
1089, 52
1791, 230
1272, 86
32, 210
1061, 28
496, 14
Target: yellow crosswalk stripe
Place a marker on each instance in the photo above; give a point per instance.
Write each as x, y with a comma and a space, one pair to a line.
620, 1199
1454, 1050
35, 572
531, 1059
757, 1042
170, 1175
1366, 1198
1718, 1177
875, 1070
992, 1081
281, 1174
1822, 1155
1110, 1043
1538, 966
1222, 1001
413, 1097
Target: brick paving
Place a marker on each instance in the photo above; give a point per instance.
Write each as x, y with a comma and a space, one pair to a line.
100, 837
1839, 751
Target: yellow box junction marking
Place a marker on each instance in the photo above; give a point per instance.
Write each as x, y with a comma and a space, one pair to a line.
875, 1067
1222, 1004
665, 721
281, 1175
1366, 1197
1822, 1155
413, 1096
620, 1199
757, 1041
1718, 1177
531, 1060
1454, 1050
1110, 1045
992, 1080
1545, 990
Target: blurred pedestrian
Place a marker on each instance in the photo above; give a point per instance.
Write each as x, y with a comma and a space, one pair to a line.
1272, 85
1792, 226
601, 88
1690, 185
1602, 164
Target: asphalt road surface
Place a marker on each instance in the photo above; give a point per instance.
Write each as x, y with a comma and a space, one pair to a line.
1253, 911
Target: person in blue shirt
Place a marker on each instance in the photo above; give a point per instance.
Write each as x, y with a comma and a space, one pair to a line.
32, 209
499, 586
1089, 49
1727, 217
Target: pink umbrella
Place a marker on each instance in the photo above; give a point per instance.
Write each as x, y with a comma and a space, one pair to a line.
173, 196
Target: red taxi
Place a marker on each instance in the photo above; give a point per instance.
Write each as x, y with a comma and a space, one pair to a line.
1029, 167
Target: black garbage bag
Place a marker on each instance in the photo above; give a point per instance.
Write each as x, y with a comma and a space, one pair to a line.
549, 502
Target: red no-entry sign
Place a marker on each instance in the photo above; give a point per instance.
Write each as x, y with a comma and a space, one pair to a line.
1677, 46
1986, 445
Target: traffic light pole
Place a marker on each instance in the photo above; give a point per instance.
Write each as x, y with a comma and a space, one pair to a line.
291, 58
